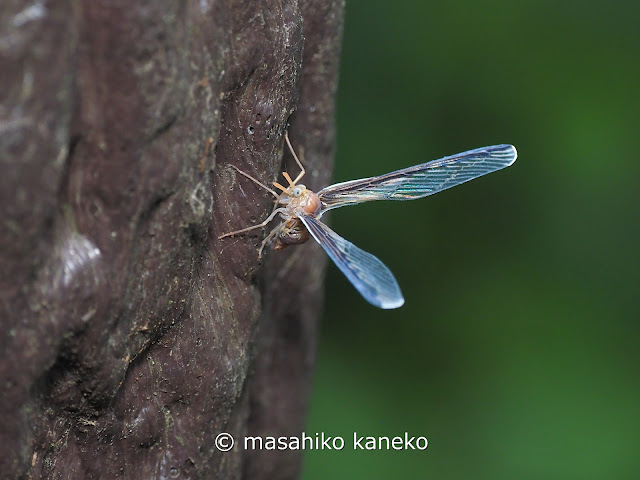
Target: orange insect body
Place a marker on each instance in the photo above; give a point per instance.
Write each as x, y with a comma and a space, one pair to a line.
297, 200
300, 198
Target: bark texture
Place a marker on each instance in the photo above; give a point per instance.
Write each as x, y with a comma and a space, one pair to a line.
132, 336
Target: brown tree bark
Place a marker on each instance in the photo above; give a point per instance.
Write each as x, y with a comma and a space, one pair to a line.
132, 336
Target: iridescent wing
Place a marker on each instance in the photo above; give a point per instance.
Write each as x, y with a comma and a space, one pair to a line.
420, 180
367, 274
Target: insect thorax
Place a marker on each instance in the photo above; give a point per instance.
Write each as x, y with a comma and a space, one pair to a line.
305, 202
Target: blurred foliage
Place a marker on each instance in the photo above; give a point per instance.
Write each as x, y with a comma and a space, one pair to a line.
516, 353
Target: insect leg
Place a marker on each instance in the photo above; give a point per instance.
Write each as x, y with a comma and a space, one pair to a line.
266, 241
253, 227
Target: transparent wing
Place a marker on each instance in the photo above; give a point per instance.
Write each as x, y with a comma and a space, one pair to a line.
367, 274
420, 180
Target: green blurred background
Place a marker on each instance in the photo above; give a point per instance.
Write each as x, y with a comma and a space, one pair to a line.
516, 353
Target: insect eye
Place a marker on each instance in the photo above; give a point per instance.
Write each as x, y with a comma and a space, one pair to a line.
297, 192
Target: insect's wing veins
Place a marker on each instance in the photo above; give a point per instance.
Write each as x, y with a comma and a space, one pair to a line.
369, 276
420, 180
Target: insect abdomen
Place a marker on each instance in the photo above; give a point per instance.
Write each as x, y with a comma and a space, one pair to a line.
292, 232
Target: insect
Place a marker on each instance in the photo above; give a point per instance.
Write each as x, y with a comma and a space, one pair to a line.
301, 210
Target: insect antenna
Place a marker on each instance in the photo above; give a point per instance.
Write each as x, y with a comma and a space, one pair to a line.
295, 157
258, 182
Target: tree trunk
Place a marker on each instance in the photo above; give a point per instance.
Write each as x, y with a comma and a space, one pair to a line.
131, 335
